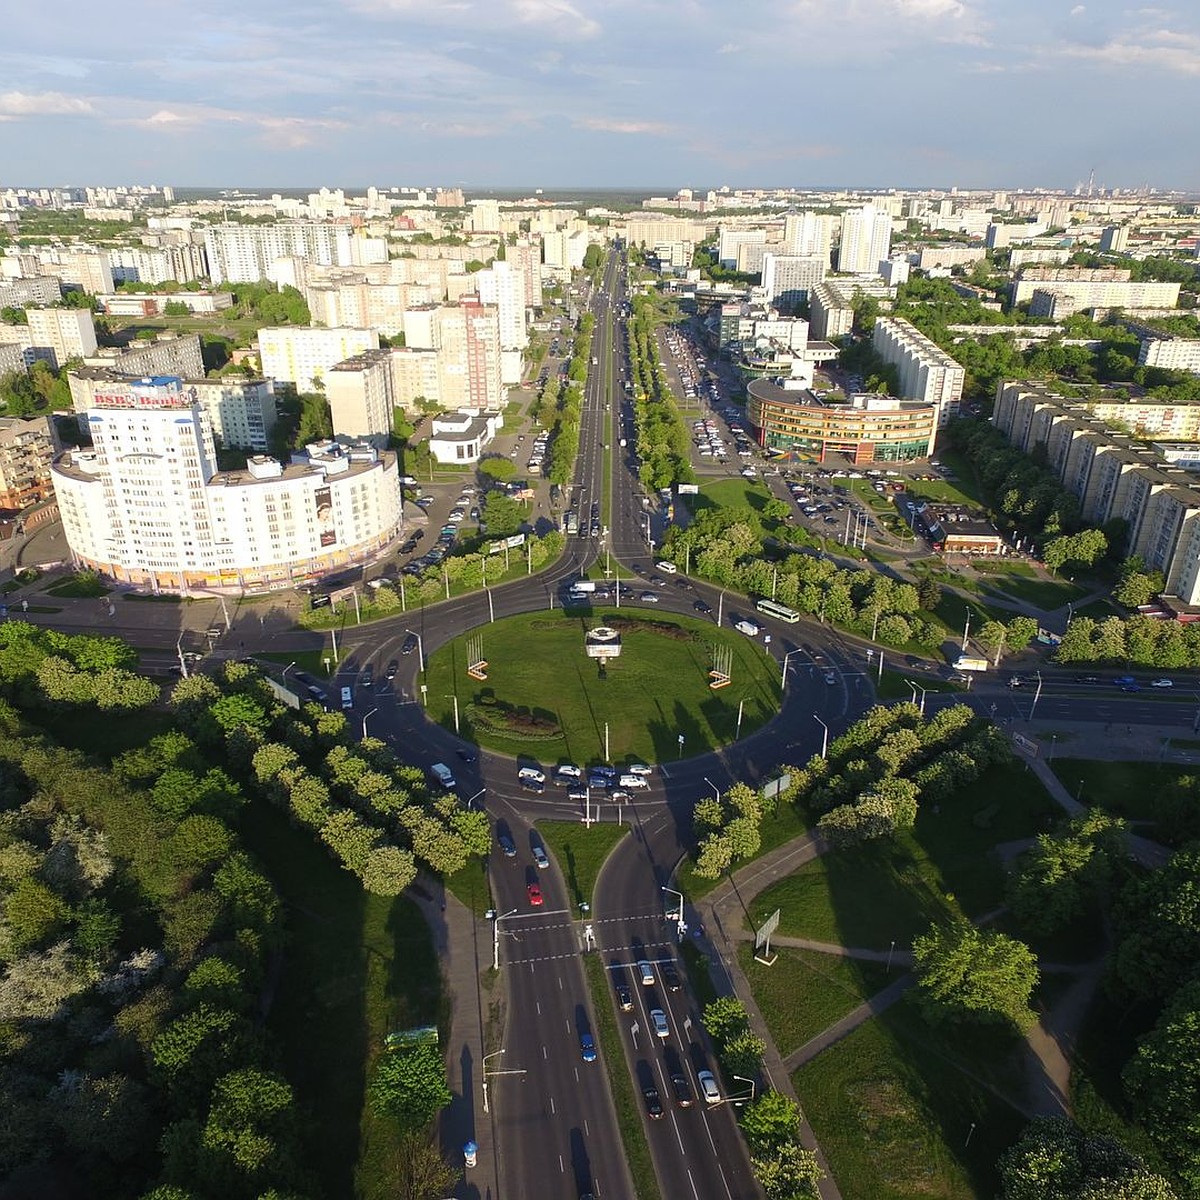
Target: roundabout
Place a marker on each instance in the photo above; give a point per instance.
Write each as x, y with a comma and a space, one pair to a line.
676, 686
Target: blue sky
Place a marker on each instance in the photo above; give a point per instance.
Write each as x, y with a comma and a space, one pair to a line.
582, 93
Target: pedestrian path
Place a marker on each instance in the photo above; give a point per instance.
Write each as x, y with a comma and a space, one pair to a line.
463, 952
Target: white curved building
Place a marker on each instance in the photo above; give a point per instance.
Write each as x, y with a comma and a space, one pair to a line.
147, 504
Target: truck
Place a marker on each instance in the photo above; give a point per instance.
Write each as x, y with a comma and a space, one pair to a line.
570, 523
965, 662
584, 585
443, 775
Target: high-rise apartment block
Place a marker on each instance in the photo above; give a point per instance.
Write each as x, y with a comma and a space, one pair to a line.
248, 253
1170, 353
788, 279
147, 504
808, 235
1102, 287
927, 373
866, 240
1114, 239
59, 334
26, 452
303, 357
359, 391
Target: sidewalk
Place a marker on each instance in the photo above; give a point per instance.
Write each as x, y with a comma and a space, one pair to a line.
722, 912
456, 937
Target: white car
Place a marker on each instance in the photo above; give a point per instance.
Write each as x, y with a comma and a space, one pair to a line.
532, 774
633, 781
1162, 683
668, 568
539, 857
568, 771
749, 628
708, 1087
639, 769
659, 1020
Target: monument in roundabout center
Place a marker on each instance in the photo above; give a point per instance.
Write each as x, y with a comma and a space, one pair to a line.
602, 644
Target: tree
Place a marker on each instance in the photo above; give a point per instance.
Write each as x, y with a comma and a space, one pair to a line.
725, 1018
1137, 588
419, 1172
504, 515
250, 1121
966, 973
743, 1054
35, 986
409, 1086
106, 1116
498, 467
34, 913
388, 870
770, 1121
1163, 1083
789, 1172
929, 593
1056, 1160
714, 856
1020, 633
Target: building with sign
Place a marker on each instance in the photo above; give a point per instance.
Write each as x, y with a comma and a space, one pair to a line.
148, 505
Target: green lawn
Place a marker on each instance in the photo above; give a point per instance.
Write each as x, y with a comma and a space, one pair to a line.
626, 1099
536, 664
1137, 791
471, 886
74, 588
898, 1116
356, 967
804, 992
1045, 594
945, 491
731, 493
1099, 610
894, 889
580, 852
952, 612
894, 684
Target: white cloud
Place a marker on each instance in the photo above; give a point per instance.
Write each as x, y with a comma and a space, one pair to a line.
43, 104
1079, 10
614, 125
728, 48
560, 15
1163, 48
931, 10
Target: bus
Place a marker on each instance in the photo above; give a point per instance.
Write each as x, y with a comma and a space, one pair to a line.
780, 612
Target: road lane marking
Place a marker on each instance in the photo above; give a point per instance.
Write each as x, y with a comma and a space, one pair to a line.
545, 1055
693, 1183
553, 1110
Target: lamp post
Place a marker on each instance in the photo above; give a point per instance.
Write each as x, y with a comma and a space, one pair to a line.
496, 919
916, 687
738, 1101
364, 721
470, 801
183, 671
681, 745
824, 736
420, 648
286, 670
680, 927
493, 1054
786, 657
454, 696
716, 790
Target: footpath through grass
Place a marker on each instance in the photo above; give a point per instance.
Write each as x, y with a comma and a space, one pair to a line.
580, 852
355, 967
898, 1116
804, 991
625, 1096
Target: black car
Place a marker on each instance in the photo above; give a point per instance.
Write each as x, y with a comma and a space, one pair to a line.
683, 1091
653, 1104
410, 644
701, 607
392, 668
624, 997
670, 977
408, 547
367, 678
468, 756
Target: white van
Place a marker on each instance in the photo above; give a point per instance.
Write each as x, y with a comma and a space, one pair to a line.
443, 775
749, 628
633, 781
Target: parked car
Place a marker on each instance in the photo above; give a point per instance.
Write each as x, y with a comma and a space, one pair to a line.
532, 774
587, 1047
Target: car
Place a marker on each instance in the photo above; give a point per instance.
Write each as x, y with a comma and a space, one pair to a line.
1131, 687
347, 698
632, 781
708, 1087
668, 568
391, 671
670, 977
682, 1090
456, 515
367, 678
596, 780
568, 771
535, 895
701, 607
648, 598
416, 535
1162, 683
646, 970
831, 677
531, 773
423, 501
466, 754
539, 857
658, 1019
507, 845
624, 997
749, 628
654, 1108
587, 1047
577, 795
533, 785
638, 768
410, 644
620, 796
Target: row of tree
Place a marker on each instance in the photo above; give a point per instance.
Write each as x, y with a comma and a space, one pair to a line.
563, 445
1141, 640
662, 437
133, 950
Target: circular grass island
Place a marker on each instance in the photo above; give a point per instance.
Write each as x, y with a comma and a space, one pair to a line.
545, 699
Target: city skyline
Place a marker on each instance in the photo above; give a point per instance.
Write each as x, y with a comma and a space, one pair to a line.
555, 93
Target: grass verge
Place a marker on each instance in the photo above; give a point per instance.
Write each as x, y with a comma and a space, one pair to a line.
357, 966
805, 992
580, 852
472, 886
898, 1115
1137, 791
1045, 594
625, 1097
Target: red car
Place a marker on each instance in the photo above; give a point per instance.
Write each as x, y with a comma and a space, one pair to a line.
535, 895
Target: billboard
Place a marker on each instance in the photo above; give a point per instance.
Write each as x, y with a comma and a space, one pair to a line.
325, 528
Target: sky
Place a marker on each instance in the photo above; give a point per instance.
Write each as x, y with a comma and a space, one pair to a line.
601, 93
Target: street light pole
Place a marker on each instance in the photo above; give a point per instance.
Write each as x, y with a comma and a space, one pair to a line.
496, 919
716, 790
454, 696
420, 649
493, 1054
364, 722
824, 736
786, 657
183, 671
680, 927
740, 1100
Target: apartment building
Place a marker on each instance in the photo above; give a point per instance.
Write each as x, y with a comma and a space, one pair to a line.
927, 372
866, 240
240, 411
40, 289
1114, 477
788, 279
1170, 353
1107, 287
808, 235
59, 334
303, 357
503, 287
359, 391
731, 241
26, 453
168, 354
831, 305
247, 253
147, 504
